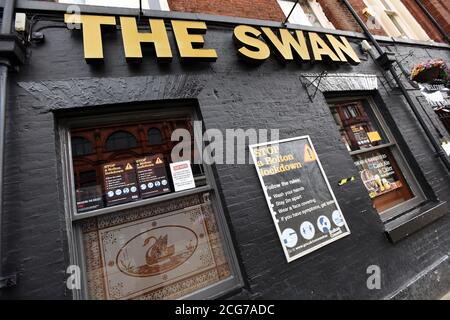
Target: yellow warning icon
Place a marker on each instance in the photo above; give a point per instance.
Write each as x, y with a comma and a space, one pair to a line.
309, 154
158, 160
128, 167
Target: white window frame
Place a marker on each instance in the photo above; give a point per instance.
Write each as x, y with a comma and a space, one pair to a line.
146, 4
298, 16
396, 20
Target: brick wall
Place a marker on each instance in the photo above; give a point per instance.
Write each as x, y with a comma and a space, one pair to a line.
339, 16
255, 9
424, 21
335, 11
440, 10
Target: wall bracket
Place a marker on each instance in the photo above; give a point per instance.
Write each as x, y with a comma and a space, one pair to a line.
306, 83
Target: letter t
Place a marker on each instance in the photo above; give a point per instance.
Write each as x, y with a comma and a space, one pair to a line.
92, 35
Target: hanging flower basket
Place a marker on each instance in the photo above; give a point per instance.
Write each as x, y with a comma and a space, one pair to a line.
431, 71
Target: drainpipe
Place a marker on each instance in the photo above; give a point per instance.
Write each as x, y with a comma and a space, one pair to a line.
433, 20
388, 62
7, 20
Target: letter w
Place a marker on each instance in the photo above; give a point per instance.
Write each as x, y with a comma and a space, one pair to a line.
287, 43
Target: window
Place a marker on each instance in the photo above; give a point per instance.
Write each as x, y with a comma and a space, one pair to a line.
120, 140
154, 136
136, 236
306, 12
395, 19
146, 4
81, 146
381, 167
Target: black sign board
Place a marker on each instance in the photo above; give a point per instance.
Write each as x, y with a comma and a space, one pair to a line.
152, 176
120, 182
302, 204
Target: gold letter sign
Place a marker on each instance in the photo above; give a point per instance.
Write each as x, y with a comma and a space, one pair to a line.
254, 44
132, 38
92, 34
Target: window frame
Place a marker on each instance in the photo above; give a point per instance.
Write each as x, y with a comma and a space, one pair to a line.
161, 5
393, 146
316, 9
72, 217
397, 15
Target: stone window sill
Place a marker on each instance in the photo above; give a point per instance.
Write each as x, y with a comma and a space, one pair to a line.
414, 220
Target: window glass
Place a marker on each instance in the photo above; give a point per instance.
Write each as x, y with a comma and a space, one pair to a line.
357, 126
120, 140
305, 12
163, 249
154, 136
297, 16
395, 19
372, 153
382, 178
133, 163
81, 146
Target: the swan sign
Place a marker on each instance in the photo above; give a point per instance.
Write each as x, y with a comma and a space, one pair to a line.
253, 43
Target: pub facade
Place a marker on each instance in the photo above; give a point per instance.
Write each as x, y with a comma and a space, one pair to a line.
120, 180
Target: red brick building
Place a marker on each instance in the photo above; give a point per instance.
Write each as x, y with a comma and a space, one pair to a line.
335, 11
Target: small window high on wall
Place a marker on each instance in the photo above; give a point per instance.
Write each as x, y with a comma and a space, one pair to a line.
381, 166
394, 18
145, 224
146, 4
306, 13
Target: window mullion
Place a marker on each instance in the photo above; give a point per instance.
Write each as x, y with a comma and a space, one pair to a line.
382, 146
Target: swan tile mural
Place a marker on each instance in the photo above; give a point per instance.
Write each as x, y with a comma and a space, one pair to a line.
162, 256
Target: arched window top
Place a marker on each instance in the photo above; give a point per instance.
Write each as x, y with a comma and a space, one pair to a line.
154, 136
81, 146
120, 140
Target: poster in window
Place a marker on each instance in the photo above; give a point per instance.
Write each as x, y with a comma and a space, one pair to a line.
182, 176
361, 137
303, 207
89, 198
377, 173
120, 182
152, 176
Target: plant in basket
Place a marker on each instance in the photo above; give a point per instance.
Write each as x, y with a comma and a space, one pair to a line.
434, 70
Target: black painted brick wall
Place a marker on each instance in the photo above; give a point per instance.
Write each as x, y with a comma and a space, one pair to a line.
231, 94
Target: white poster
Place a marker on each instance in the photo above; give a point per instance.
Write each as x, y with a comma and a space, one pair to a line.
182, 176
446, 147
304, 209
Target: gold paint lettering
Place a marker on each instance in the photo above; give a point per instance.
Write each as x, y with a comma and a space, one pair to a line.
92, 34
320, 48
287, 43
190, 41
132, 38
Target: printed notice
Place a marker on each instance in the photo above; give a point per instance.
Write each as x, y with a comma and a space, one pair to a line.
303, 206
120, 182
446, 147
182, 176
152, 176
